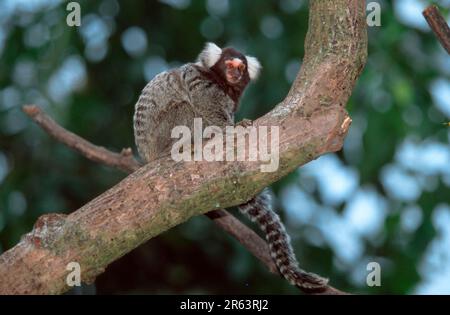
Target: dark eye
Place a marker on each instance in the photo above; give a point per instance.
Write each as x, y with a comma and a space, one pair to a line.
241, 67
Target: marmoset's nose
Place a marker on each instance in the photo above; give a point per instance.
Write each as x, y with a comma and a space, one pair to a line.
235, 72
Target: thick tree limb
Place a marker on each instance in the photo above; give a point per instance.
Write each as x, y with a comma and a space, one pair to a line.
125, 161
438, 25
162, 194
246, 236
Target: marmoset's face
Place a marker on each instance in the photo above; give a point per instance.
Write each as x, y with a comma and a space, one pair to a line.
232, 67
235, 70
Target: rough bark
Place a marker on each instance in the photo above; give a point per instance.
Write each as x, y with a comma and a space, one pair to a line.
162, 194
125, 162
438, 25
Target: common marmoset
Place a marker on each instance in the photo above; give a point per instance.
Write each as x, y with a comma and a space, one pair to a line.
211, 89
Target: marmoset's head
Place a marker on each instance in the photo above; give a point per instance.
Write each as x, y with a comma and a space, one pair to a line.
232, 66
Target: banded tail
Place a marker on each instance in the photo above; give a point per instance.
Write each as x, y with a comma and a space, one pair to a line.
259, 210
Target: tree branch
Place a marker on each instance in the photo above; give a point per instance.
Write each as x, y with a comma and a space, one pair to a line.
438, 25
247, 237
312, 121
125, 161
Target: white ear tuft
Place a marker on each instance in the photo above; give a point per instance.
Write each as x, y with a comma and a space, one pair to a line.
254, 67
210, 55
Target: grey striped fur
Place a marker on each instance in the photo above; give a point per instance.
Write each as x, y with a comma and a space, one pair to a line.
175, 98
